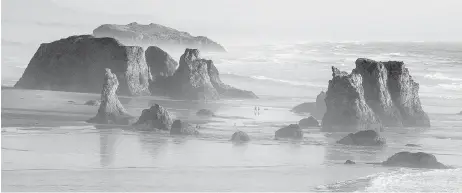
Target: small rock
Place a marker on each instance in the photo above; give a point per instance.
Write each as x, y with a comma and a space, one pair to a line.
414, 160
157, 117
181, 128
309, 122
205, 112
240, 136
93, 103
364, 138
350, 162
292, 131
412, 145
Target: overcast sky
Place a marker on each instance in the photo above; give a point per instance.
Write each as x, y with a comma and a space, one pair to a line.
303, 20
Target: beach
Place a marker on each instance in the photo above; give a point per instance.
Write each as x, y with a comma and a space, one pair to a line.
48, 146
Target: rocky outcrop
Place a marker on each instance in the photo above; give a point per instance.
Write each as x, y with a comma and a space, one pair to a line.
363, 138
77, 63
197, 79
414, 160
460, 113
205, 112
93, 103
292, 131
375, 93
405, 95
155, 34
308, 122
156, 117
181, 128
159, 62
240, 136
346, 108
316, 109
111, 110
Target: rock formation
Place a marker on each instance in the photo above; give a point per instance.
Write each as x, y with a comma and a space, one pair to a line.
159, 62
240, 136
111, 110
414, 160
292, 131
155, 34
363, 138
77, 63
156, 117
460, 113
93, 103
205, 112
374, 94
309, 122
316, 109
198, 79
346, 108
181, 128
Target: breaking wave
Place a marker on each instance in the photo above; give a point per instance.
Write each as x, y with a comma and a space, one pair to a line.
440, 76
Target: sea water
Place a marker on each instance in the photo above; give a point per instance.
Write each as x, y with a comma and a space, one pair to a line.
88, 158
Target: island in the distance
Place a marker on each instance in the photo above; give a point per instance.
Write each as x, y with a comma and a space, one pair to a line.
156, 35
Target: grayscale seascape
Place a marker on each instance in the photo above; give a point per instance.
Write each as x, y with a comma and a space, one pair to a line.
48, 145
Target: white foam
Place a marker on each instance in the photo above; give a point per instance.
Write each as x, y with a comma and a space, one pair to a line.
441, 76
449, 180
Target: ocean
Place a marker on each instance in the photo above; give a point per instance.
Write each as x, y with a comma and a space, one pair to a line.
82, 157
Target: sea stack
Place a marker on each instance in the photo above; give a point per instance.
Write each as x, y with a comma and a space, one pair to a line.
198, 79
156, 117
155, 34
375, 94
316, 109
77, 63
110, 110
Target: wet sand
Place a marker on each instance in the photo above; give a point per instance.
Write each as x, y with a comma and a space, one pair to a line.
48, 146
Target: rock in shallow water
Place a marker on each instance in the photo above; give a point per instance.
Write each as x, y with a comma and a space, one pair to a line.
111, 110
348, 162
363, 138
240, 136
414, 160
316, 109
205, 112
181, 128
308, 122
156, 117
93, 103
292, 131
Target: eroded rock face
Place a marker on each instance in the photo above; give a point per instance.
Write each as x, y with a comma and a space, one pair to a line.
155, 34
346, 108
111, 110
308, 122
240, 136
77, 63
159, 62
156, 117
292, 131
405, 95
205, 112
181, 128
363, 138
414, 160
380, 93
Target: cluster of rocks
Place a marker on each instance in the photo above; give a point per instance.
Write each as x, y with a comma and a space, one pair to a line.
155, 34
374, 95
77, 63
410, 160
